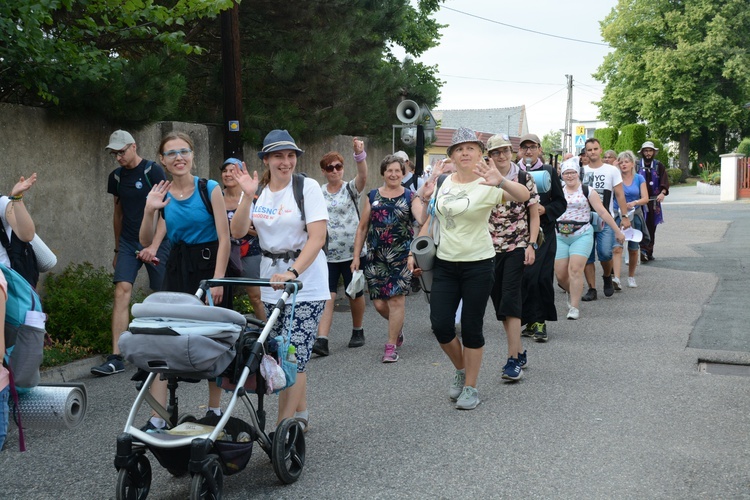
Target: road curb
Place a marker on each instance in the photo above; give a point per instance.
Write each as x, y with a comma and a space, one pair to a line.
71, 371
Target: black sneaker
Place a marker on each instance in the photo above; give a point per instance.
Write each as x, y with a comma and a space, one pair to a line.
358, 338
590, 295
528, 331
540, 332
114, 364
609, 287
151, 428
320, 347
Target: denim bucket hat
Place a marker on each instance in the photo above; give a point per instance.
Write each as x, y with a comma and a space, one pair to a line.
278, 140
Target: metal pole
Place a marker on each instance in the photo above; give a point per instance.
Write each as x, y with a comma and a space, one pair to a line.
231, 81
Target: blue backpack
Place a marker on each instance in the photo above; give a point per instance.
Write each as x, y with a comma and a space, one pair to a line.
24, 344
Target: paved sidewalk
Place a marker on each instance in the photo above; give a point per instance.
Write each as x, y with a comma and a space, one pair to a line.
614, 406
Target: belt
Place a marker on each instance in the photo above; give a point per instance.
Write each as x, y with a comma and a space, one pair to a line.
285, 256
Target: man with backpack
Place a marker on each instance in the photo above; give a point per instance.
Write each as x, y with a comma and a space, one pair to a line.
130, 184
342, 199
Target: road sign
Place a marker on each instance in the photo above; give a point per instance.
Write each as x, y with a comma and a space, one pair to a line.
580, 141
580, 130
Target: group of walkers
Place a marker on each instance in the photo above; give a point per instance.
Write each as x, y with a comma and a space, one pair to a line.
504, 230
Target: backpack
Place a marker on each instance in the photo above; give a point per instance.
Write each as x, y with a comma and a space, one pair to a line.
24, 344
522, 179
146, 171
21, 255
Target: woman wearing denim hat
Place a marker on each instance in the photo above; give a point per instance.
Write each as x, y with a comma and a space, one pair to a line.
292, 249
464, 267
247, 248
575, 235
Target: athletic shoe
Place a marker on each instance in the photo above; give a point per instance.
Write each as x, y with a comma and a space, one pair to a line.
320, 347
632, 283
400, 340
573, 313
590, 295
609, 288
151, 428
528, 331
358, 338
523, 360
457, 386
114, 364
644, 257
512, 370
616, 283
540, 332
390, 355
468, 400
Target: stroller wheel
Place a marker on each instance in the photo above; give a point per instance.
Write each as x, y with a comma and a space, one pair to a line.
134, 483
207, 484
288, 451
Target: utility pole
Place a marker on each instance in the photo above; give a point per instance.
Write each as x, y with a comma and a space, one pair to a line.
567, 145
231, 81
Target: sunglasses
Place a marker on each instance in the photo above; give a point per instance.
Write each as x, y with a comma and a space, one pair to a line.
329, 168
121, 152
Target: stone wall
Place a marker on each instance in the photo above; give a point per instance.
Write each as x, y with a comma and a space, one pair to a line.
70, 204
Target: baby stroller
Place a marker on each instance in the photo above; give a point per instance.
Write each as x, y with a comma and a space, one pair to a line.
177, 336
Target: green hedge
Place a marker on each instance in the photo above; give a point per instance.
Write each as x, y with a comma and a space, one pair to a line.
631, 138
607, 137
674, 174
744, 147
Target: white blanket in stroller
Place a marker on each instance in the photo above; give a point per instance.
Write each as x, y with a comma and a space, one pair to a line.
178, 335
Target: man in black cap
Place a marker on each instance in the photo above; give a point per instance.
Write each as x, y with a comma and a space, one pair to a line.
538, 279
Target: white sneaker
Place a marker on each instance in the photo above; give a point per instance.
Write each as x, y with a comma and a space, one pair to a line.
631, 282
573, 313
616, 284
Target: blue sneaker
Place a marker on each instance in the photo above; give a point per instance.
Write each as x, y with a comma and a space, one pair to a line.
512, 370
523, 360
114, 364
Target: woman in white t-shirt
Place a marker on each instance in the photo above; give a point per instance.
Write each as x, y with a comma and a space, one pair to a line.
464, 267
575, 236
292, 249
15, 217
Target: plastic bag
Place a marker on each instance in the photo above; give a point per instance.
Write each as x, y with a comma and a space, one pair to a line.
356, 285
272, 372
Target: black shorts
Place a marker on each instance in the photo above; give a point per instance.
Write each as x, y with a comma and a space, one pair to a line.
506, 293
337, 269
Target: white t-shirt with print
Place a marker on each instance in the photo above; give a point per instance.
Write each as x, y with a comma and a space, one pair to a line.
603, 180
280, 227
342, 221
4, 259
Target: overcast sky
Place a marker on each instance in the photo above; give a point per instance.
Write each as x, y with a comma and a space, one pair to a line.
479, 59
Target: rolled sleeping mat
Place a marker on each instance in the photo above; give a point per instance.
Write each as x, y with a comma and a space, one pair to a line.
542, 179
424, 251
54, 407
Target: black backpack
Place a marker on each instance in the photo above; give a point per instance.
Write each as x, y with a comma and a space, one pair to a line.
21, 255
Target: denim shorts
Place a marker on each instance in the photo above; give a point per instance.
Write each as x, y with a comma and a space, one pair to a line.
575, 244
604, 240
128, 265
635, 224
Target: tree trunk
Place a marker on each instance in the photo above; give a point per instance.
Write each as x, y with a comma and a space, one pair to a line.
685, 154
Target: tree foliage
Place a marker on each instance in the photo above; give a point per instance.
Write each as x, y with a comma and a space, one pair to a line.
552, 141
607, 137
317, 68
681, 66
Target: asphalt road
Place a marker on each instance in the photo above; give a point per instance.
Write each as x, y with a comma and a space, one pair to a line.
614, 406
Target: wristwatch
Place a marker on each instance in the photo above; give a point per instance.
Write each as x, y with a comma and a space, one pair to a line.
534, 246
293, 271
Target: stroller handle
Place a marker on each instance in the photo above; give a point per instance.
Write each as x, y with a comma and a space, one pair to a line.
290, 287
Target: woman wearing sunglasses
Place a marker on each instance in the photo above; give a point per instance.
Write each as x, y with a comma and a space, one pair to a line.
200, 240
342, 199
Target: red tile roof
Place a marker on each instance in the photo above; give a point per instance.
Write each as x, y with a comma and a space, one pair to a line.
443, 138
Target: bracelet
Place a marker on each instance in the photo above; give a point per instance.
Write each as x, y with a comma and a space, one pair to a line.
17, 197
360, 156
500, 186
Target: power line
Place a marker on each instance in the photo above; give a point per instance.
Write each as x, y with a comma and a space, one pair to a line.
493, 80
524, 29
545, 98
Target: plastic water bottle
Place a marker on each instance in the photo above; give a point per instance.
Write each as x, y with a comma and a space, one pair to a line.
292, 354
